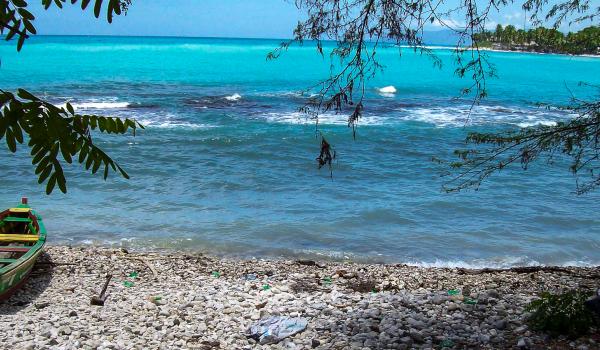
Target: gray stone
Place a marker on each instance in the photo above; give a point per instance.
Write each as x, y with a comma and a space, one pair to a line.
500, 324
492, 293
66, 330
438, 299
415, 323
521, 329
406, 340
416, 336
453, 307
523, 343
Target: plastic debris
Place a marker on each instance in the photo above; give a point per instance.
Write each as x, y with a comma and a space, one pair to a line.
250, 276
327, 281
155, 299
128, 284
470, 301
216, 274
274, 329
134, 274
266, 287
447, 343
453, 292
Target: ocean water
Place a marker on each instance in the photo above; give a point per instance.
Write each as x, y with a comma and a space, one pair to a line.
226, 164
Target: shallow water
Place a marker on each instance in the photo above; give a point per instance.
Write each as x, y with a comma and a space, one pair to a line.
226, 163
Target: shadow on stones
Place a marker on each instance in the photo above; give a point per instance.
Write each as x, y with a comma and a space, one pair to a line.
37, 282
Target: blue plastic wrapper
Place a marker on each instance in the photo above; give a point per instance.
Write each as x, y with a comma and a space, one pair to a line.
274, 329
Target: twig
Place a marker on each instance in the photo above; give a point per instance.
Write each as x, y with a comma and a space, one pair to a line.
147, 263
55, 263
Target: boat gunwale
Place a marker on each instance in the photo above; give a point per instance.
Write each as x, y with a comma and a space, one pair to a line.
34, 249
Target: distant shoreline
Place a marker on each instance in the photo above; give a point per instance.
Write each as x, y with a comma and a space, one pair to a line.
426, 46
538, 53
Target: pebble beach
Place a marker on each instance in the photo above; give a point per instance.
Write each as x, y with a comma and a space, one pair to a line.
168, 300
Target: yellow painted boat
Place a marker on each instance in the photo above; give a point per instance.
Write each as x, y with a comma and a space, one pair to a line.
22, 239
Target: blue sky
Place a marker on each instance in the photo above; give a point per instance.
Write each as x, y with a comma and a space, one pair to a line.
203, 18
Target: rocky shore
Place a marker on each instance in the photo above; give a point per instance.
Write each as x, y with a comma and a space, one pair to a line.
182, 301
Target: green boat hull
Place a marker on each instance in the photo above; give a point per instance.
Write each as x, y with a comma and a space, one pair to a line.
14, 275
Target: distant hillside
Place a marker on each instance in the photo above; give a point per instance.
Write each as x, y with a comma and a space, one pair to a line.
583, 42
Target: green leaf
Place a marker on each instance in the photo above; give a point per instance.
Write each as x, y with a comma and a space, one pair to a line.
26, 14
88, 162
97, 8
38, 157
19, 3
10, 141
30, 28
62, 182
45, 173
51, 183
17, 132
97, 163
13, 30
82, 153
24, 94
70, 108
66, 153
2, 126
35, 147
20, 42
43, 163
123, 173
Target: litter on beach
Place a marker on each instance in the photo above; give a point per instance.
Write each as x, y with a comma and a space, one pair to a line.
274, 329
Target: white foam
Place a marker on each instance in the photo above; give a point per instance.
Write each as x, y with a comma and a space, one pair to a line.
324, 119
539, 122
388, 90
172, 124
234, 97
461, 116
101, 105
498, 263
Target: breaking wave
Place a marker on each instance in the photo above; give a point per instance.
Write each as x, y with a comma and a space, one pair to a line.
101, 105
388, 89
234, 97
442, 117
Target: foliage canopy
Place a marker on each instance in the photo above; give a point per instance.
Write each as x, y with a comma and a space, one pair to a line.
361, 27
55, 134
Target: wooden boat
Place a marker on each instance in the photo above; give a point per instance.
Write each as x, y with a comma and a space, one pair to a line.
22, 239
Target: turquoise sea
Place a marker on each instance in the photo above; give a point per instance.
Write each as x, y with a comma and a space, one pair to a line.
227, 165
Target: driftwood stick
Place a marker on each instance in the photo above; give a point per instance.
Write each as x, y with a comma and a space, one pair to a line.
99, 301
153, 258
147, 263
151, 267
55, 263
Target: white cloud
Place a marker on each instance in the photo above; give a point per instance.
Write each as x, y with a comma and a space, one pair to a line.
513, 16
448, 22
